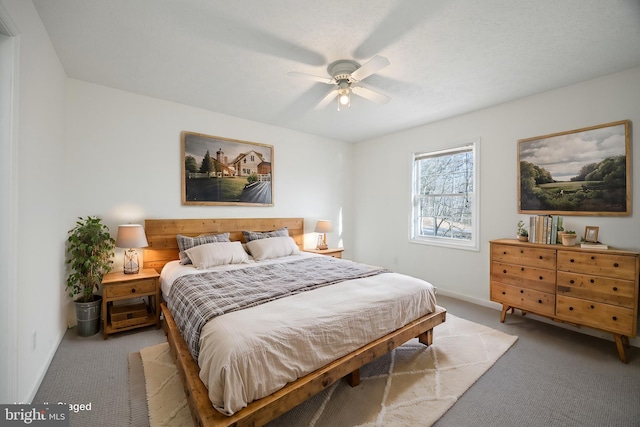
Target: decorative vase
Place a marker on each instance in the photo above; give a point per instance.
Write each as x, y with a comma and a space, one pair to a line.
569, 239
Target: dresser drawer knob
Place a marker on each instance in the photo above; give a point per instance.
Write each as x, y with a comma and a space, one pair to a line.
614, 318
615, 288
570, 308
571, 260
539, 301
504, 293
521, 291
133, 290
592, 307
521, 268
615, 264
504, 271
593, 257
540, 257
504, 253
541, 278
521, 251
571, 281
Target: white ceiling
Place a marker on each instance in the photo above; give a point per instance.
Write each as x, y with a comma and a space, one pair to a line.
447, 57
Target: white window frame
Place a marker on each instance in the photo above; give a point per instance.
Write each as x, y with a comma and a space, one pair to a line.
414, 235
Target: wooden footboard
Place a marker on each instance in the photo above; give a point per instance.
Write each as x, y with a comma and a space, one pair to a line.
266, 409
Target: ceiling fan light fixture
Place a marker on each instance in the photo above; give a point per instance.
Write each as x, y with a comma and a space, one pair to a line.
344, 95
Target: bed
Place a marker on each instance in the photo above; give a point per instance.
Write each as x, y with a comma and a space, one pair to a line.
263, 403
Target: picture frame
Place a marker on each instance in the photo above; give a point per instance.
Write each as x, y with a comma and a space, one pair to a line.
584, 171
219, 171
591, 234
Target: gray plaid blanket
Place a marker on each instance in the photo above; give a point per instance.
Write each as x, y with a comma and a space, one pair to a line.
196, 298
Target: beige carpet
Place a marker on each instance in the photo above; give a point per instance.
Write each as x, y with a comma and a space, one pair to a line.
413, 385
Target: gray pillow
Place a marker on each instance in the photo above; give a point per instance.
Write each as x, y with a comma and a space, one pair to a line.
186, 242
257, 235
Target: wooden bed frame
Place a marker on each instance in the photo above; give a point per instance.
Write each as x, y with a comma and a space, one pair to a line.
161, 235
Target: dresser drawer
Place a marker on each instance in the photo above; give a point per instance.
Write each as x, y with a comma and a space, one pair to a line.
131, 288
598, 315
597, 288
524, 276
521, 255
523, 298
598, 264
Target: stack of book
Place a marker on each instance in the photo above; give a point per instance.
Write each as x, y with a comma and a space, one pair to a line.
544, 228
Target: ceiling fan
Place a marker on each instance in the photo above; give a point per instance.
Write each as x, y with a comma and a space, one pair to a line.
347, 76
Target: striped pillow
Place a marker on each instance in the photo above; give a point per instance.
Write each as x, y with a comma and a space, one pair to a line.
257, 235
186, 242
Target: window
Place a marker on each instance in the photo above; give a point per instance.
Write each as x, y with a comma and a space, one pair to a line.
445, 200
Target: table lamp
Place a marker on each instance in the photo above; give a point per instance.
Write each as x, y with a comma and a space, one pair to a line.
323, 227
131, 236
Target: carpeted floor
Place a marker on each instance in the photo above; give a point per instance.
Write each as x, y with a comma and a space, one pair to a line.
413, 385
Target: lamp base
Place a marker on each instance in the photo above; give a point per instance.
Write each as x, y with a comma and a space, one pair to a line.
131, 265
322, 243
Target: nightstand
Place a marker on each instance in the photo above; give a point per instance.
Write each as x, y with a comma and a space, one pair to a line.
117, 286
336, 253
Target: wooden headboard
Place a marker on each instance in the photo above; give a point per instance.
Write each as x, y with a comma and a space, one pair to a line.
163, 246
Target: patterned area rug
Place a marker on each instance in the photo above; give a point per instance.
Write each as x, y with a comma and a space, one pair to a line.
412, 385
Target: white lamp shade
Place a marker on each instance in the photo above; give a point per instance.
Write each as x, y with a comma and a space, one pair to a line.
131, 236
323, 226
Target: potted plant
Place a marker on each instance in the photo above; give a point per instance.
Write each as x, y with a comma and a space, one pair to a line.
522, 233
569, 238
90, 251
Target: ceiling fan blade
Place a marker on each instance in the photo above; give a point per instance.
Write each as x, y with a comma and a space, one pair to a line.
377, 63
327, 80
326, 100
370, 94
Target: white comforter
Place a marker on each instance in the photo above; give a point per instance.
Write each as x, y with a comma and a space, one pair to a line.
249, 354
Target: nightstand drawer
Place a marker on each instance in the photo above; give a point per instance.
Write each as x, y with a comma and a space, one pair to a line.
143, 286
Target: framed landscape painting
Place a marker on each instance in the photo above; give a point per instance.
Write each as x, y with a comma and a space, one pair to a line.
579, 172
222, 171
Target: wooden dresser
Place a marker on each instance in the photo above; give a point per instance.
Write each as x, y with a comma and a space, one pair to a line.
582, 287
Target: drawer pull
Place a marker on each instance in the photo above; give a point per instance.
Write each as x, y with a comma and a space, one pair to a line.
615, 264
504, 271
521, 291
615, 288
539, 301
570, 308
592, 307
521, 268
614, 318
133, 290
504, 253
521, 251
571, 281
593, 257
540, 257
504, 293
571, 260
541, 278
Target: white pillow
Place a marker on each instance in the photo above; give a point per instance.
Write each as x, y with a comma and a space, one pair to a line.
273, 247
220, 253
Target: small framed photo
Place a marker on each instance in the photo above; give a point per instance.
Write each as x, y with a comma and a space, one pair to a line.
591, 234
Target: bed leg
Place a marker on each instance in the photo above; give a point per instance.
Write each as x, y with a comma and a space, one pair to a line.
353, 379
426, 338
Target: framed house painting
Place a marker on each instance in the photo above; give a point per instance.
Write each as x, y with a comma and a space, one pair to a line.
222, 171
579, 172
